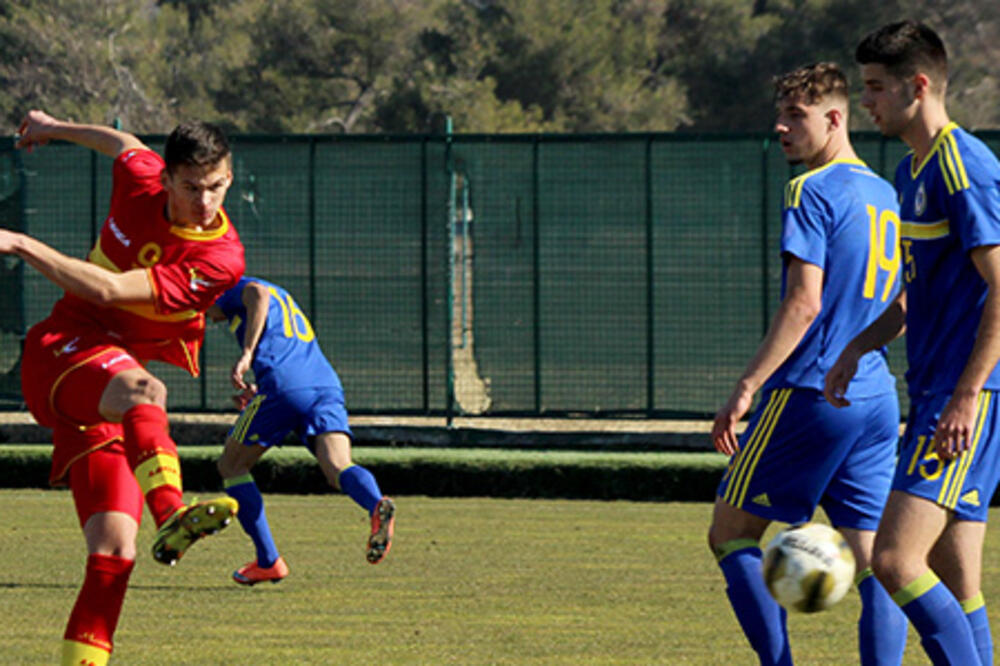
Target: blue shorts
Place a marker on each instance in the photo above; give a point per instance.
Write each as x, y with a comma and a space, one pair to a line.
268, 418
799, 451
965, 484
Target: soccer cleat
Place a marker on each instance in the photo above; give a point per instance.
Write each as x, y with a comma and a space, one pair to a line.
383, 523
251, 573
190, 523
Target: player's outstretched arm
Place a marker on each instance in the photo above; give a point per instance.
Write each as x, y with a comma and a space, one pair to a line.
801, 305
38, 128
257, 299
953, 433
887, 327
84, 279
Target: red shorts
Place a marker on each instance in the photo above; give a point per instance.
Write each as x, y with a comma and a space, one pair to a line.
103, 481
64, 372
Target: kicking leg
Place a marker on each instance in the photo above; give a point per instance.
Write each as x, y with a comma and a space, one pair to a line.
138, 400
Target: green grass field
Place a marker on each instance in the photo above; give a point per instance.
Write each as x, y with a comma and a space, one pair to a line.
468, 581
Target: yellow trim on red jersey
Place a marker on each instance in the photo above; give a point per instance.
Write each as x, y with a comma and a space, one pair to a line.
144, 310
206, 235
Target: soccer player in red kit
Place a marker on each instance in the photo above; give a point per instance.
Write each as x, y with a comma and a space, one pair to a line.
166, 252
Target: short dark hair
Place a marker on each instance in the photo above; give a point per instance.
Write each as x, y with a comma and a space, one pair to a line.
905, 48
197, 144
813, 83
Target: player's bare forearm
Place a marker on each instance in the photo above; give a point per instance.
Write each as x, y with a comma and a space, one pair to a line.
954, 430
986, 350
257, 299
799, 308
887, 327
84, 279
38, 128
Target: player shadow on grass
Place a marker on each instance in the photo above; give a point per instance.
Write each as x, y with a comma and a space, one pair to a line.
7, 585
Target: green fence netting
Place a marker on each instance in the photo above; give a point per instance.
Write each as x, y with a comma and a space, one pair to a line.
472, 274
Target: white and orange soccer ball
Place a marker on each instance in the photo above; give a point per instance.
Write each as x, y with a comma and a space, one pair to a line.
808, 567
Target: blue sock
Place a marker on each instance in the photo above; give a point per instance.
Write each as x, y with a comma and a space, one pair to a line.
252, 517
975, 613
882, 627
359, 484
944, 630
760, 616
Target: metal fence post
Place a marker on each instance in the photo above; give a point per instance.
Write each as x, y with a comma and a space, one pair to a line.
424, 306
450, 277
765, 302
536, 277
650, 303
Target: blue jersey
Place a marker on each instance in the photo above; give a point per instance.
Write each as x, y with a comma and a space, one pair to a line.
843, 218
288, 356
949, 204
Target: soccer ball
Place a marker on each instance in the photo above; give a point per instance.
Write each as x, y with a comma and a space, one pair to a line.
808, 567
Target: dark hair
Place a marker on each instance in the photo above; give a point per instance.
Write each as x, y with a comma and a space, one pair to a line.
812, 82
905, 48
197, 144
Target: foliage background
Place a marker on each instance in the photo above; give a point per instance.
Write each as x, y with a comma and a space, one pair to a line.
398, 66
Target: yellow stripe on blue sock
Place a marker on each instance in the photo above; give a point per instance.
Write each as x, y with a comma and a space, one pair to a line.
728, 548
237, 480
973, 604
916, 589
862, 575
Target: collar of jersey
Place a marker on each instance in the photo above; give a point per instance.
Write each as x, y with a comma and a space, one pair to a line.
210, 234
845, 160
941, 137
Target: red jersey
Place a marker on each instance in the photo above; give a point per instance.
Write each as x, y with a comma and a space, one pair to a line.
188, 269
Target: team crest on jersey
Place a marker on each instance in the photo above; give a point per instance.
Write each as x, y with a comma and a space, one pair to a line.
920, 200
196, 282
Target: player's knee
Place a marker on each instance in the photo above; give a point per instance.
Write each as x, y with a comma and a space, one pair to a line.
124, 550
230, 468
886, 565
145, 389
715, 537
154, 391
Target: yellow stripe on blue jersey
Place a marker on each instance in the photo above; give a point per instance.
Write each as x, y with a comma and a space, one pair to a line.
925, 230
793, 190
952, 166
246, 417
949, 158
747, 459
958, 469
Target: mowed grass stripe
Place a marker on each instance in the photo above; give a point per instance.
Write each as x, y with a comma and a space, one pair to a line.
468, 581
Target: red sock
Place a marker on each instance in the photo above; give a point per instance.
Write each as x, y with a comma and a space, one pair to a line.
153, 457
95, 614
